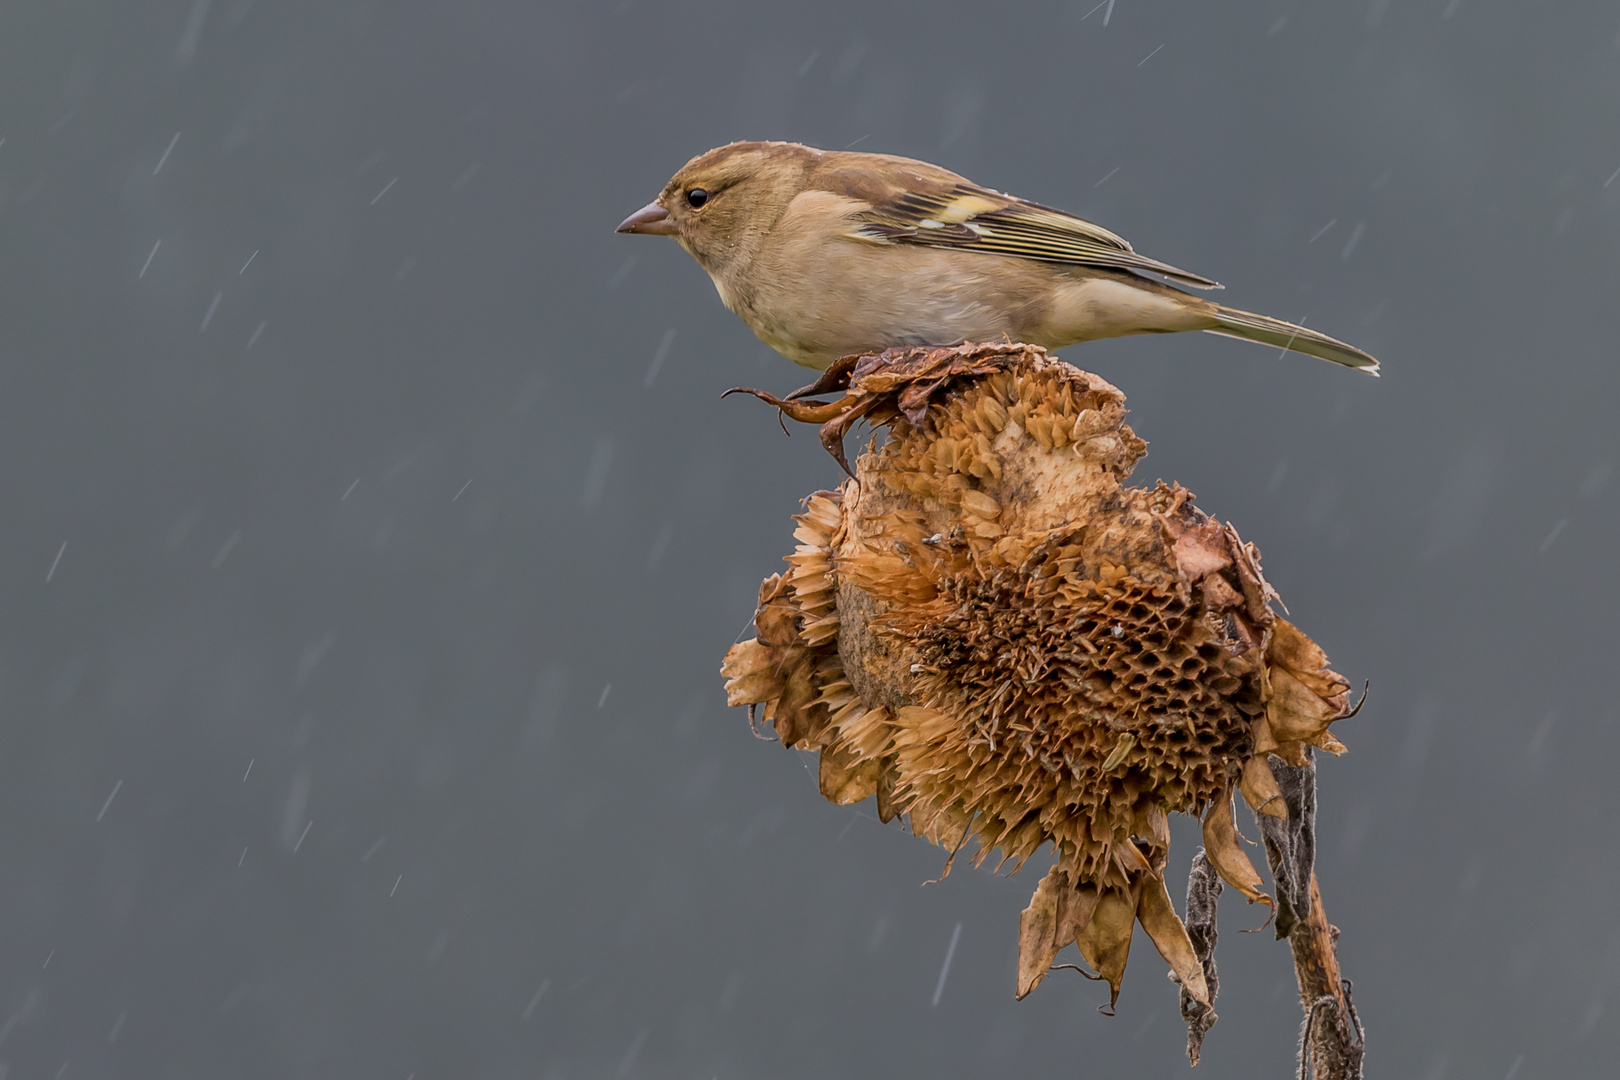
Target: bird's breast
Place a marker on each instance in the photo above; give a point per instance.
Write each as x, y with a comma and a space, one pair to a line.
817, 301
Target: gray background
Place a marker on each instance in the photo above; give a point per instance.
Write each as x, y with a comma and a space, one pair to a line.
392, 517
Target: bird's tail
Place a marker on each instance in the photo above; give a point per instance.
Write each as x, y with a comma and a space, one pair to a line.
1247, 326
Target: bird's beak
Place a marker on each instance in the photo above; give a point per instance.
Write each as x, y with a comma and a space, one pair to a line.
650, 220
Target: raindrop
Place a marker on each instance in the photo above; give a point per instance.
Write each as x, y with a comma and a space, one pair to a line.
311, 658
945, 968
624, 269
384, 191
466, 176
219, 294
629, 1058
192, 33
157, 168
1543, 731
112, 795
1350, 244
1556, 529
225, 552
297, 799
658, 357
535, 1001
596, 473
880, 930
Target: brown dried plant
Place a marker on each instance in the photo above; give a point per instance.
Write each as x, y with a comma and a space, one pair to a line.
986, 630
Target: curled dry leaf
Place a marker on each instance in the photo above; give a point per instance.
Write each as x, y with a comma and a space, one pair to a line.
1226, 854
1260, 788
1056, 915
987, 629
1105, 941
1158, 917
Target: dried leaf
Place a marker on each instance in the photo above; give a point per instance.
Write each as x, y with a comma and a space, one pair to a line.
1226, 854
1158, 917
847, 778
1264, 741
1056, 915
1153, 826
749, 669
1260, 788
1106, 940
1292, 649
1294, 711
1326, 741
887, 808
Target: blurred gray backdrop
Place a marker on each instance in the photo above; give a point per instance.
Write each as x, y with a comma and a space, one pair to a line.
373, 529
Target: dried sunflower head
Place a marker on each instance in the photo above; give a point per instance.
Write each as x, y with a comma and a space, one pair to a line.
989, 632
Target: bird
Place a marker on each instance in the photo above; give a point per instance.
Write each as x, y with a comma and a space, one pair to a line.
827, 254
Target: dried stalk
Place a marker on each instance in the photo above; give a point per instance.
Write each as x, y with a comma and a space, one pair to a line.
1331, 1043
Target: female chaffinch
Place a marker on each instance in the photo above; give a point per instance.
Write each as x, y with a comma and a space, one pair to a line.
830, 253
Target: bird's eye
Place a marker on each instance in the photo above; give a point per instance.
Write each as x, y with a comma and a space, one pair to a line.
696, 197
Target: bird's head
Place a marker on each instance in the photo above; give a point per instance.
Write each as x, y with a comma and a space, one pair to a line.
720, 204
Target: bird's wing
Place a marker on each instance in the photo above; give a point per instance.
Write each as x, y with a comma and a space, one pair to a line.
946, 211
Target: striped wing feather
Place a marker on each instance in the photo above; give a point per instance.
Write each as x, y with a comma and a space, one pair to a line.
977, 219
